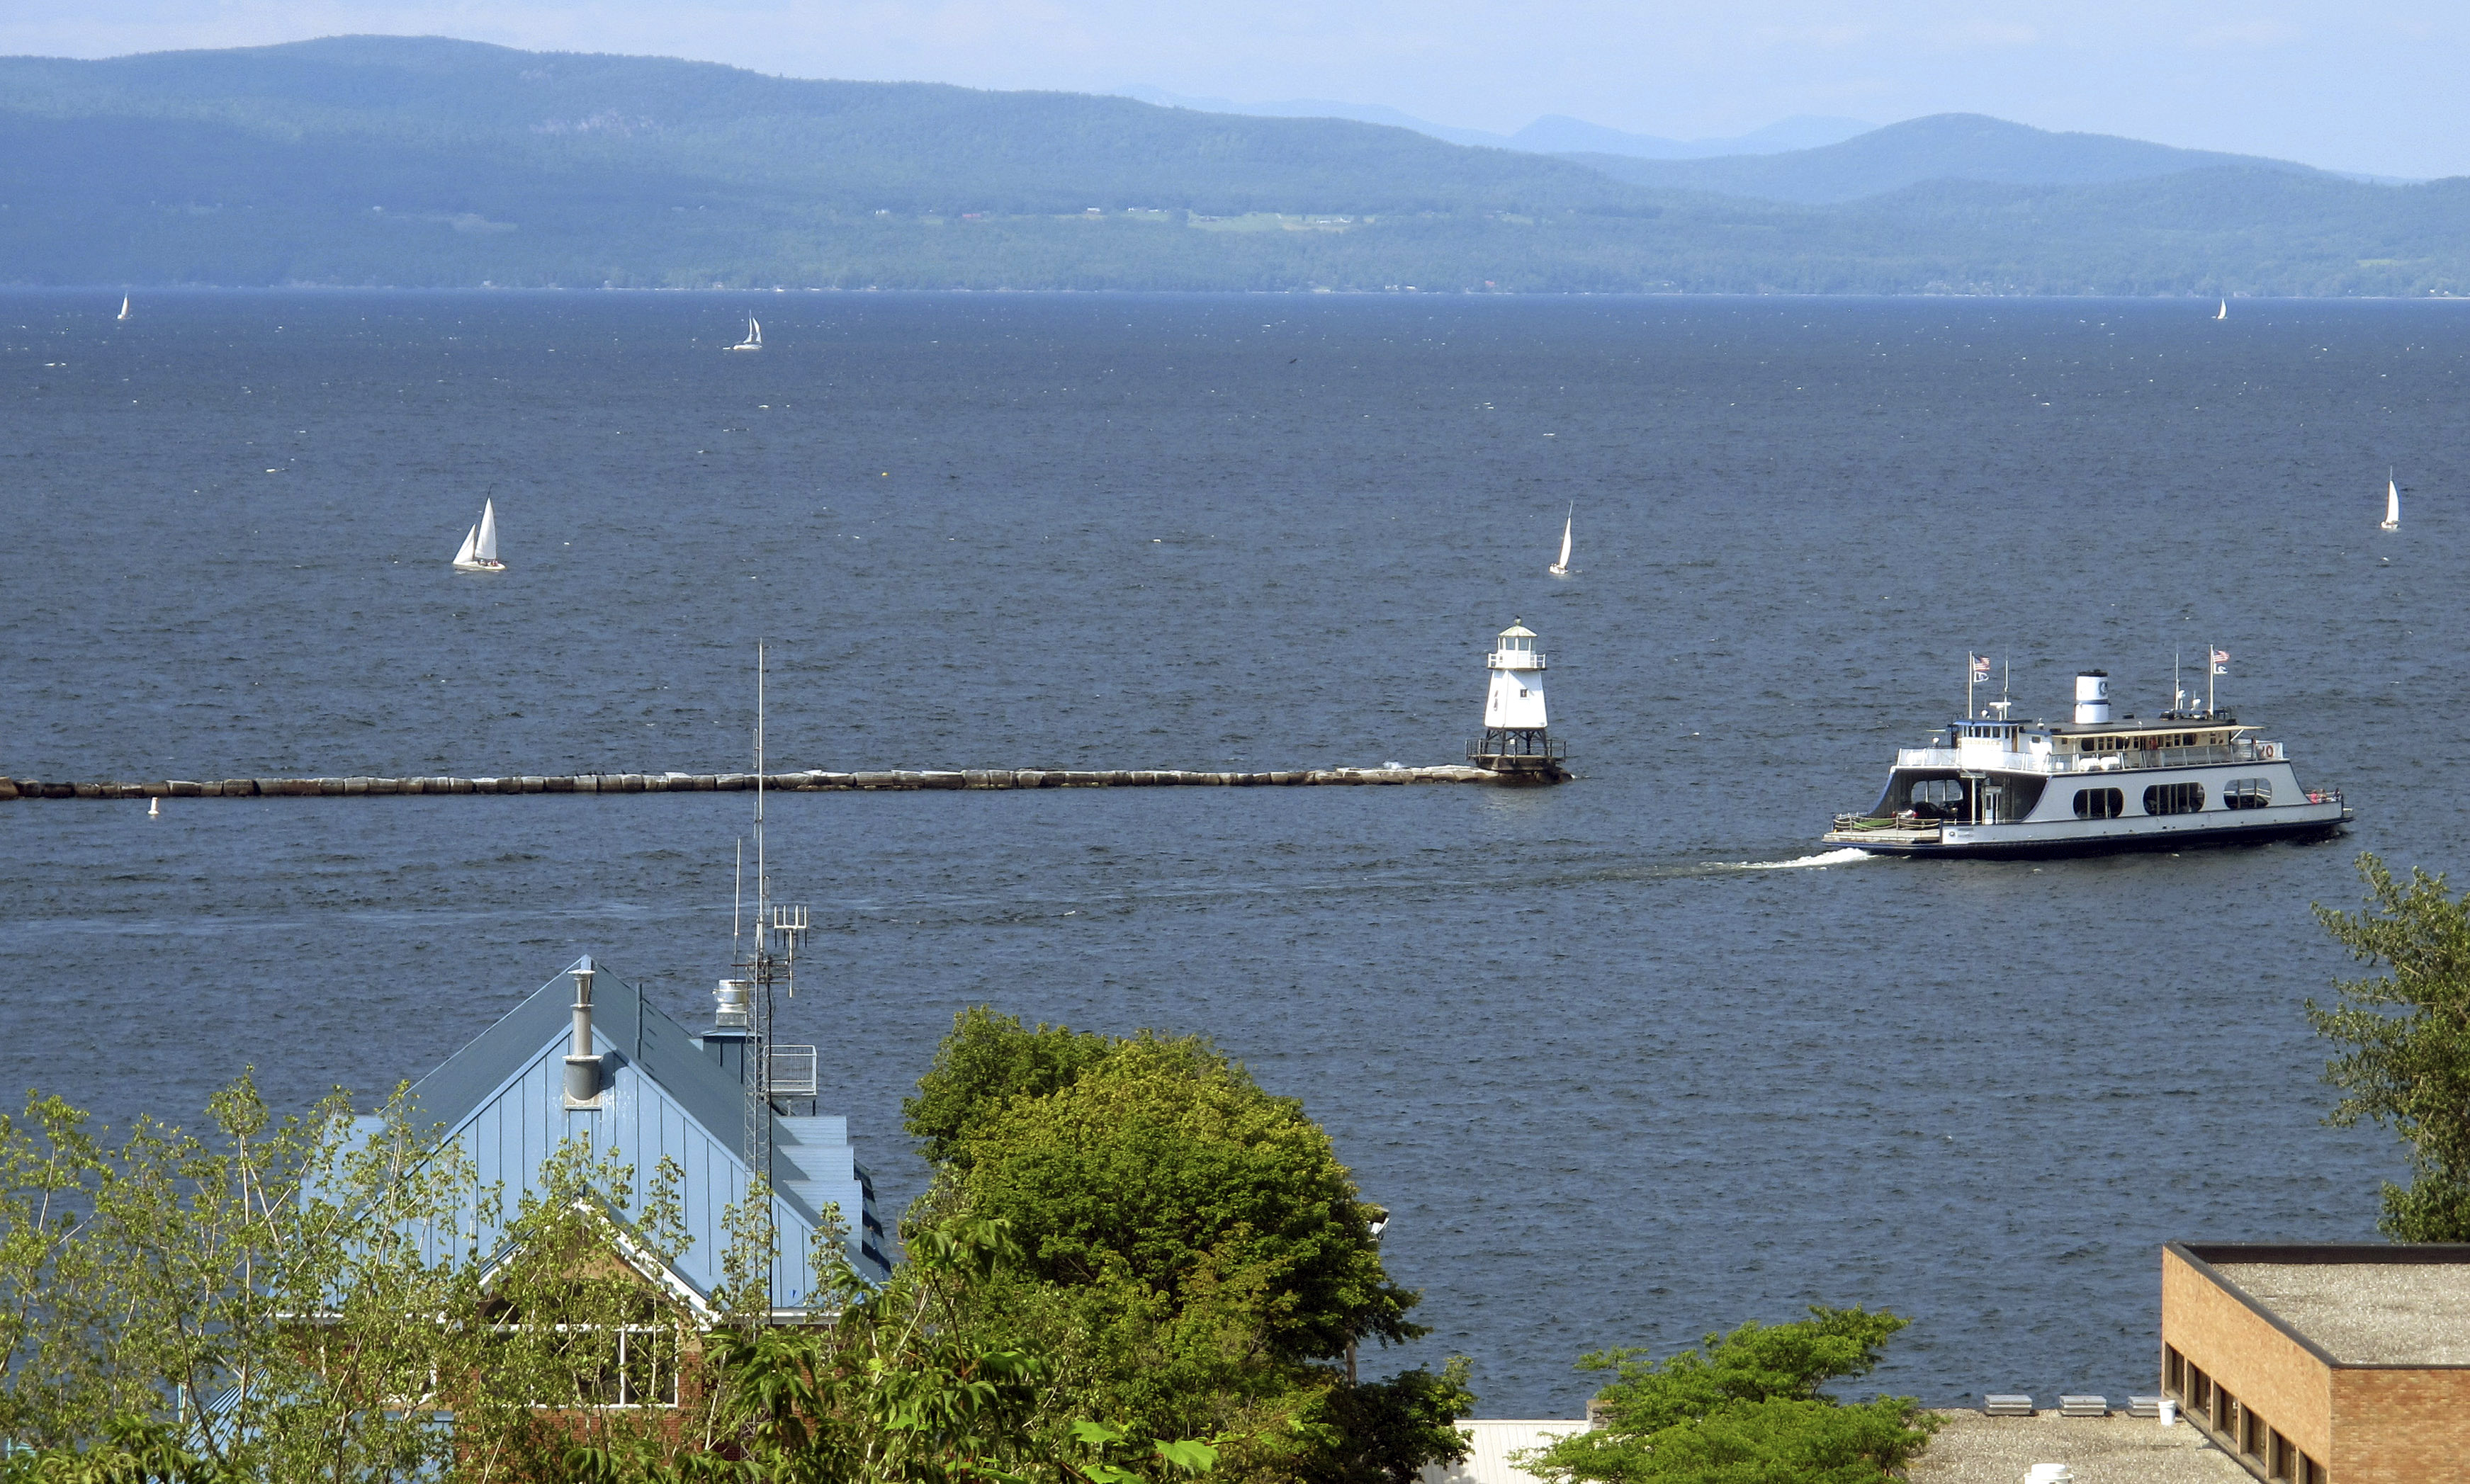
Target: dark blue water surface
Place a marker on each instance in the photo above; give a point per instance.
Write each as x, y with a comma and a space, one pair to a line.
1627, 1063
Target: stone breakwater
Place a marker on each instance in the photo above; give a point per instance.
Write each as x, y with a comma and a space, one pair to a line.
811, 782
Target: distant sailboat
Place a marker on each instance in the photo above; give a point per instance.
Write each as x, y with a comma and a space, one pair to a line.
2392, 503
1561, 568
480, 550
2225, 313
753, 338
124, 305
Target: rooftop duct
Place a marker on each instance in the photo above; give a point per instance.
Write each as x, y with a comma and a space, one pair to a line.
582, 1064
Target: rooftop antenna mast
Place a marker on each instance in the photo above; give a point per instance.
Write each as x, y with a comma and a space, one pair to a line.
766, 961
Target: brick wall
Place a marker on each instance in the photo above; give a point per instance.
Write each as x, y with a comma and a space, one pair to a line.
2400, 1426
2268, 1372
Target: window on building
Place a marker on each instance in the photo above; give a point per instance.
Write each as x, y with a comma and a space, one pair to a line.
605, 1366
2099, 804
2310, 1472
2174, 1372
2251, 1433
2248, 794
2224, 1416
2277, 1456
2173, 798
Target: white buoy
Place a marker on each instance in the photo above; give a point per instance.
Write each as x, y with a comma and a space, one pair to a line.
154, 809
1516, 738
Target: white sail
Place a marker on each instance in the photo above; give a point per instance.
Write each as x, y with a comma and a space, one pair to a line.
487, 548
2224, 311
754, 340
1562, 566
463, 553
2393, 504
124, 305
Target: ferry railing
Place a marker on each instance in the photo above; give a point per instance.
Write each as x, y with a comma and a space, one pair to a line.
2133, 760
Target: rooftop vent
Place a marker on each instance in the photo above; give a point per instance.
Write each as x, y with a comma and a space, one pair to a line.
582, 1064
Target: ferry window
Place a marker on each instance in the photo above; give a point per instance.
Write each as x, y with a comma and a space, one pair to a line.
2173, 798
2248, 794
2099, 804
1942, 795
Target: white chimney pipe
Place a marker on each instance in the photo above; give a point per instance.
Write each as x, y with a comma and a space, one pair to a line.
582, 1066
2092, 697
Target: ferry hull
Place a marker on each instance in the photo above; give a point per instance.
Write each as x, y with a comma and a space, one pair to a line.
2052, 840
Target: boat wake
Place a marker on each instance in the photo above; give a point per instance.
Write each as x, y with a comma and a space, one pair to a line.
1843, 857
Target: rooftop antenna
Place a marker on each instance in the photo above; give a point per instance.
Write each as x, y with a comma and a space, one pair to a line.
765, 961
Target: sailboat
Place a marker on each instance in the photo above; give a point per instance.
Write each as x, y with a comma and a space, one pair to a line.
2225, 313
2392, 503
480, 550
124, 305
1561, 568
753, 338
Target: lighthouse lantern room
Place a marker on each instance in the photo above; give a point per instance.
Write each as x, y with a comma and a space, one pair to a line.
1515, 737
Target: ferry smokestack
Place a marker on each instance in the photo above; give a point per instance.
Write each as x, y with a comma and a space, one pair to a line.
582, 1066
2092, 697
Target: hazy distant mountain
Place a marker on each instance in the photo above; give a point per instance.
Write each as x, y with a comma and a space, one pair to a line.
1942, 147
412, 162
1551, 134
1322, 108
1556, 134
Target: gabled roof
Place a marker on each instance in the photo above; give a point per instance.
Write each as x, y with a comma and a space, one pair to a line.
664, 1098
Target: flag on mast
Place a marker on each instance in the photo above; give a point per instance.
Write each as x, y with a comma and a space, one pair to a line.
1981, 668
2221, 661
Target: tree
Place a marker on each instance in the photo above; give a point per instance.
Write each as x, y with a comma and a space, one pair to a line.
1745, 1408
1195, 1258
2405, 1033
253, 1304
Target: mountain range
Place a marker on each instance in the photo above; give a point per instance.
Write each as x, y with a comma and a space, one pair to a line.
1553, 133
427, 162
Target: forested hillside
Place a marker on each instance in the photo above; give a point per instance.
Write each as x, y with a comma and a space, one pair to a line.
422, 162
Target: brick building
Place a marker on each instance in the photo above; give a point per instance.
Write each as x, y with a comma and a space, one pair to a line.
2325, 1364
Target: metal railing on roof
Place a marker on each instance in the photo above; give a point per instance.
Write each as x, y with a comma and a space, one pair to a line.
793, 1072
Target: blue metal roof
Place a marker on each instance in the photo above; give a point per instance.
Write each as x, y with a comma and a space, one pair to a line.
501, 1097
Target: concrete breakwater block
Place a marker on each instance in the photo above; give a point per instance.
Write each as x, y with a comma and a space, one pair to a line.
811, 780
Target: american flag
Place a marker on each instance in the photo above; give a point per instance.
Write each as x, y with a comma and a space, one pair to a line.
2221, 661
1981, 668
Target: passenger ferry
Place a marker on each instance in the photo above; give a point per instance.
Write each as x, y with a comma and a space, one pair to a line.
1990, 786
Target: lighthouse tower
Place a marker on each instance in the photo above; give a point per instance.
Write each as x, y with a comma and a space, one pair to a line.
1515, 739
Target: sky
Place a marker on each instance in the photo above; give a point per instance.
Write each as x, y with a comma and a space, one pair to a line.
2370, 85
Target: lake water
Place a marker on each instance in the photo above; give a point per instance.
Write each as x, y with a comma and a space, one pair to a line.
1629, 1059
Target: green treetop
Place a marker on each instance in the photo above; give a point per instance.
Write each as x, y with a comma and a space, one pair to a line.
1745, 1408
2406, 1040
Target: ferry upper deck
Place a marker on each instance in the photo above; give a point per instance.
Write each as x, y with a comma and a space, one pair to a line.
2053, 748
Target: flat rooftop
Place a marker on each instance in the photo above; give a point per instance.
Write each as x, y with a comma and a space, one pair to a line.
1971, 1448
2368, 1314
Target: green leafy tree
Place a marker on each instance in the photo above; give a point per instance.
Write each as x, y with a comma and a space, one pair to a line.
251, 1304
581, 1341
1744, 1408
2404, 1035
1196, 1259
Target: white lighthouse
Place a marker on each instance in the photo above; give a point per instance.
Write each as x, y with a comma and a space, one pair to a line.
1515, 737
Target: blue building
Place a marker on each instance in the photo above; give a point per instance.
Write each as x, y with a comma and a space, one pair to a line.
649, 1089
